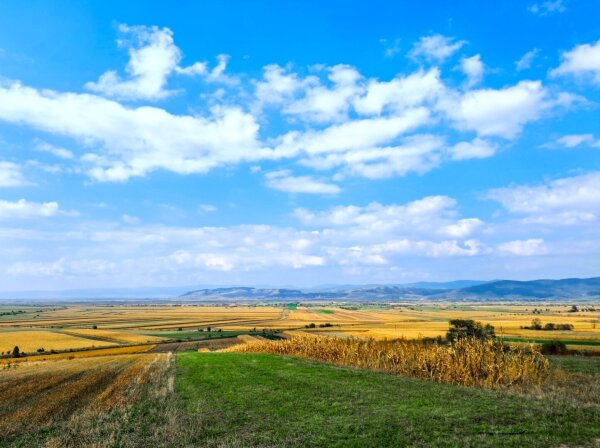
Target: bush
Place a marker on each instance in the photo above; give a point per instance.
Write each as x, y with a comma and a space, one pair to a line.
554, 348
469, 329
16, 352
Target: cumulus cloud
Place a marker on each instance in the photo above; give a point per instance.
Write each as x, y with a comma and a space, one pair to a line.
436, 47
334, 119
284, 180
11, 175
400, 93
476, 149
153, 57
432, 215
23, 209
473, 68
134, 141
581, 61
328, 103
567, 201
498, 112
524, 248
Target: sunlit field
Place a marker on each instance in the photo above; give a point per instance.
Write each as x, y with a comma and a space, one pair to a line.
77, 327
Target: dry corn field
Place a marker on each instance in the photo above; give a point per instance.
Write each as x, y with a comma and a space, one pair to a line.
466, 363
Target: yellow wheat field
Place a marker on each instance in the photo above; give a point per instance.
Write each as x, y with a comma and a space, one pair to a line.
112, 351
29, 341
116, 336
467, 363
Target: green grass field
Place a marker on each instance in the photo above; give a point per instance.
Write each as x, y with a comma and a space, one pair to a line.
264, 400
541, 341
185, 335
576, 364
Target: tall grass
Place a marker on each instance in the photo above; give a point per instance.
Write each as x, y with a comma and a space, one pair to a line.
468, 362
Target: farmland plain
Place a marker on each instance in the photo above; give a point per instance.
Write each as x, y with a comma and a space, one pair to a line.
171, 375
75, 327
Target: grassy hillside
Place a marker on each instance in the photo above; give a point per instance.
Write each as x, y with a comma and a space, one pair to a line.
246, 400
265, 400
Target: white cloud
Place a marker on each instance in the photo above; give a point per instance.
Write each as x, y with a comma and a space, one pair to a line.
129, 219
23, 209
567, 201
473, 68
526, 60
418, 153
498, 112
431, 216
547, 7
524, 248
135, 141
476, 149
400, 93
153, 56
323, 103
436, 47
207, 208
356, 134
574, 140
11, 175
278, 85
61, 153
582, 61
283, 180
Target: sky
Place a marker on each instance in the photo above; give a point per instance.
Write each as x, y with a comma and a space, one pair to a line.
297, 143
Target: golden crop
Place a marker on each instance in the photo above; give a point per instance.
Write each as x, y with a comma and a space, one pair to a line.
113, 335
468, 362
29, 341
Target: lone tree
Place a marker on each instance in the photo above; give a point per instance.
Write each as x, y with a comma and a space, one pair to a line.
466, 328
16, 352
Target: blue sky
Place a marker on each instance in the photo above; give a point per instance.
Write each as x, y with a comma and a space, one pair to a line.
297, 143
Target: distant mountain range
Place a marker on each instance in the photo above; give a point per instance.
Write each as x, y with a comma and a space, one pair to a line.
454, 291
460, 290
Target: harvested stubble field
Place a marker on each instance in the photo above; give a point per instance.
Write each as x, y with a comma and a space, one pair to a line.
61, 402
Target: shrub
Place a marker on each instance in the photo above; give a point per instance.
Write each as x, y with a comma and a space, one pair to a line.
466, 328
554, 348
16, 352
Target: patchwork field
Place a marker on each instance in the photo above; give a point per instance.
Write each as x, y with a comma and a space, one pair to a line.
76, 327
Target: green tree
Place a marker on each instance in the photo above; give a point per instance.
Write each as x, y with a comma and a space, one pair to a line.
467, 328
16, 352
